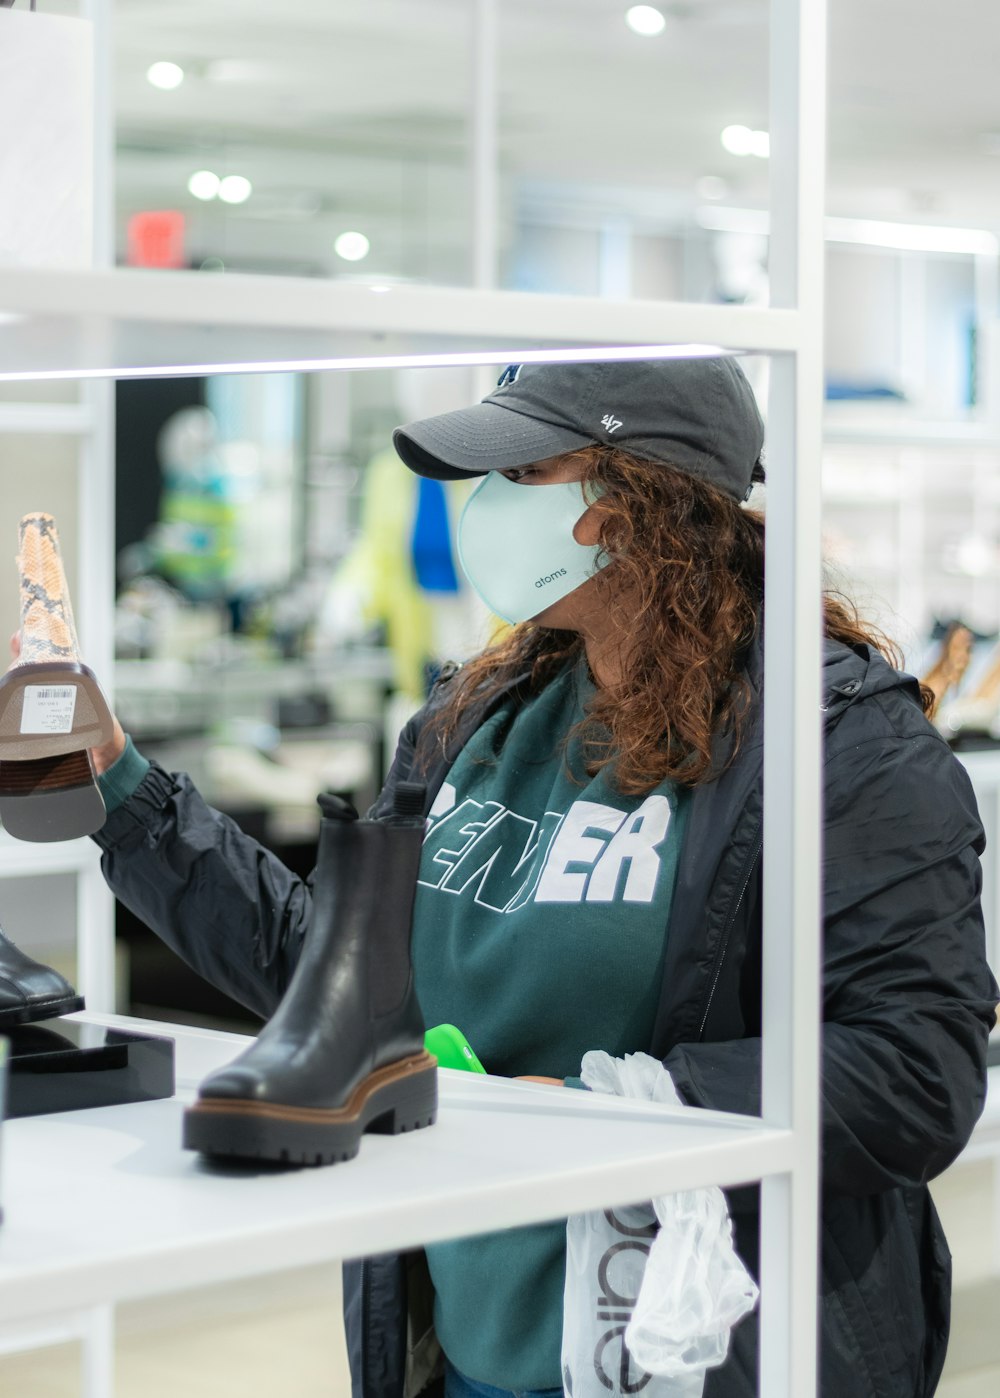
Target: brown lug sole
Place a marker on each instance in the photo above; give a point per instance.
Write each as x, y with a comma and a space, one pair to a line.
398, 1097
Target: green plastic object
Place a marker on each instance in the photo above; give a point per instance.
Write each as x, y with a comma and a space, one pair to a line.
452, 1049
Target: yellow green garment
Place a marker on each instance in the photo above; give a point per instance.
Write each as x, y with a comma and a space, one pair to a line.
379, 569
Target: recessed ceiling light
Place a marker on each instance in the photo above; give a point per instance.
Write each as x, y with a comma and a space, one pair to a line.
204, 184
740, 140
235, 189
711, 187
165, 76
646, 20
351, 246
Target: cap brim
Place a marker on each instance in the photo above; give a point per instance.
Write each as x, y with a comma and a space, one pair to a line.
485, 437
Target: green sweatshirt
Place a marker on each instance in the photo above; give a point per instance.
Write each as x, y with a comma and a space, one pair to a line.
540, 930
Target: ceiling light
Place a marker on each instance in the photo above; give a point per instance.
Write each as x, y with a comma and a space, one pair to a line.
911, 237
740, 140
165, 76
235, 189
869, 232
204, 184
645, 20
352, 247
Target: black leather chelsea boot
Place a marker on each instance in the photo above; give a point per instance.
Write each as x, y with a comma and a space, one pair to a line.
29, 990
344, 1051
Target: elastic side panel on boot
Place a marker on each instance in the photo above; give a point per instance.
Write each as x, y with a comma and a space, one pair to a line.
393, 915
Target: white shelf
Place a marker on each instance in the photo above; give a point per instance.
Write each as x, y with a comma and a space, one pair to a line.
104, 1204
913, 433
126, 322
62, 419
19, 858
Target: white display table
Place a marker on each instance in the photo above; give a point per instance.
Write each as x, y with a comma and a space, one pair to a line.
103, 1205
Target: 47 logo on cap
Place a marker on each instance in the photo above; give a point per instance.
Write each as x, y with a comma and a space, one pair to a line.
611, 423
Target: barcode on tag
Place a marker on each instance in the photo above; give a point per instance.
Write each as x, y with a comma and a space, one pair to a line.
48, 708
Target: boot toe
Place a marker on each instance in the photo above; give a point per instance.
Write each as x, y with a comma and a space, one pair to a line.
236, 1082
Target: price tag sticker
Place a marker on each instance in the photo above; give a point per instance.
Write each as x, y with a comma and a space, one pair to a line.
48, 708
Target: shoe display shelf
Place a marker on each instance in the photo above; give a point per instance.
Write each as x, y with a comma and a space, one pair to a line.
103, 1205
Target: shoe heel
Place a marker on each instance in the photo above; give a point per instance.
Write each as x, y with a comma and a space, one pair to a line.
405, 1105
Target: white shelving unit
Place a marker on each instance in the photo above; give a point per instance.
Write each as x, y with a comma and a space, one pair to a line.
143, 1218
109, 1207
90, 423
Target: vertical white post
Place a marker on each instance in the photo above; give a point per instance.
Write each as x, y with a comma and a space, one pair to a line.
100, 13
95, 585
792, 723
95, 938
911, 319
97, 1354
987, 294
614, 259
484, 161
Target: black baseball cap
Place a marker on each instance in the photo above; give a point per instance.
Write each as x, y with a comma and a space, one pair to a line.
699, 415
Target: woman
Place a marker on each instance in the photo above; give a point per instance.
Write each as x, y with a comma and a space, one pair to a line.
591, 872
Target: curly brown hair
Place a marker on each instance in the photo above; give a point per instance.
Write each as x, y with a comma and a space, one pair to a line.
685, 580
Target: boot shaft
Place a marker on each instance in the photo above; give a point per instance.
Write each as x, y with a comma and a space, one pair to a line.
363, 892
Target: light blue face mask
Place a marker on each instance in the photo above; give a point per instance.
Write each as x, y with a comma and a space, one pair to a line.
516, 545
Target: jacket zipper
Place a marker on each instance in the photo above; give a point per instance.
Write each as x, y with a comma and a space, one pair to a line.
727, 931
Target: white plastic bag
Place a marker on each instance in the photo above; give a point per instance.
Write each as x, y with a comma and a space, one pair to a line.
645, 1310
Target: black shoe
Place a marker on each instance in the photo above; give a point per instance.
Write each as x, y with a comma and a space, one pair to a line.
29, 990
344, 1052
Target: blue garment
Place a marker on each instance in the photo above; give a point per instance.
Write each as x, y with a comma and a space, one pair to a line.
430, 542
456, 1385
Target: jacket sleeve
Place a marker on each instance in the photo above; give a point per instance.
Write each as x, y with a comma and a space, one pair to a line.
221, 901
908, 999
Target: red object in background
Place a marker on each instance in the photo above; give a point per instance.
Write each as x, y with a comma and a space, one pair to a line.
156, 239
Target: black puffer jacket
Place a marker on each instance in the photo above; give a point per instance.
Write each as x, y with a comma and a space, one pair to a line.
908, 1003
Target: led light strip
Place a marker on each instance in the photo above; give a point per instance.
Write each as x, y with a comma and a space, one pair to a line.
868, 232
587, 354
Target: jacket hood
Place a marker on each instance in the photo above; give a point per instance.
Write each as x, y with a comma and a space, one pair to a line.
857, 672
849, 673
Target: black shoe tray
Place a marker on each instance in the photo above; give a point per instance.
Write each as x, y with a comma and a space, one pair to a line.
65, 1065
